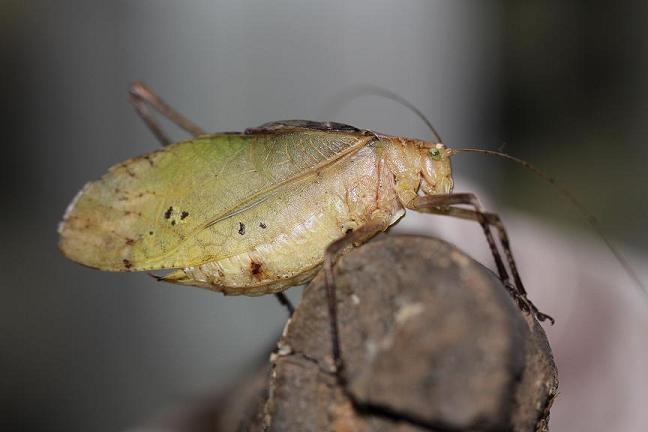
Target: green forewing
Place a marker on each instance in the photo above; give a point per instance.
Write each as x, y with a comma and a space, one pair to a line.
160, 210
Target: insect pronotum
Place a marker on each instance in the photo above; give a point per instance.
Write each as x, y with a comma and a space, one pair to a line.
262, 210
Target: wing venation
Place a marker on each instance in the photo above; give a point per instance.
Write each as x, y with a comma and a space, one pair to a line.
165, 209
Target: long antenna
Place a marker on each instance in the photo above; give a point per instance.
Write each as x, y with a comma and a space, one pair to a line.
374, 90
591, 220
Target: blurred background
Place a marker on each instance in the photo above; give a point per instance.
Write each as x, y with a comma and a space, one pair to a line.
561, 84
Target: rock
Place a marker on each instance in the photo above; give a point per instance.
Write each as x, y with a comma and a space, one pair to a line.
431, 340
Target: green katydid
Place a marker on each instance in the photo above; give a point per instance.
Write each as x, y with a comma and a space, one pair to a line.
259, 211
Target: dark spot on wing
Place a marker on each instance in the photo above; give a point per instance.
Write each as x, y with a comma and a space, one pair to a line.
263, 225
173, 222
256, 269
130, 241
150, 232
167, 214
183, 215
127, 264
241, 229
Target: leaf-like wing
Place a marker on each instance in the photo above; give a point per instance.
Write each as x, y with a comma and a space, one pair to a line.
163, 209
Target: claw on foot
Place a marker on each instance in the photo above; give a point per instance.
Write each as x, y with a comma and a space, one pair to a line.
526, 305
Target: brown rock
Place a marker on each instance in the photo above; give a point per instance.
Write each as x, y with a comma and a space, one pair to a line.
431, 341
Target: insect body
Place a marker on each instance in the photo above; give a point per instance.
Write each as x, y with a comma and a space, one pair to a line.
259, 211
250, 213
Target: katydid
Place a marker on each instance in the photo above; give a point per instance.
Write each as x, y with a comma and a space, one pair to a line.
259, 211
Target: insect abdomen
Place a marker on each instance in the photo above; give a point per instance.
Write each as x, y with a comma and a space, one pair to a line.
289, 234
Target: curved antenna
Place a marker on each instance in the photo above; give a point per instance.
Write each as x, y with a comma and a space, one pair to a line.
357, 91
373, 90
591, 219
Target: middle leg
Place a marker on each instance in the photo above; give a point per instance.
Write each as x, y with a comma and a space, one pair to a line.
353, 238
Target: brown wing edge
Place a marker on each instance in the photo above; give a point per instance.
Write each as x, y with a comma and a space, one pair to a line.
282, 126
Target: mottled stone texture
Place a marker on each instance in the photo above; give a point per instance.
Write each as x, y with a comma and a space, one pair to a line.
431, 340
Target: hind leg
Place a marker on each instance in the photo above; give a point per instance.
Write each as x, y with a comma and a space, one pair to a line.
141, 97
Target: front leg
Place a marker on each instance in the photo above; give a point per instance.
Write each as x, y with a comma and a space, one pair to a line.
445, 204
140, 96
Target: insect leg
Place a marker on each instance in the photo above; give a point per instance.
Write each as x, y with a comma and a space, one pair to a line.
439, 204
494, 220
361, 234
285, 301
445, 205
140, 96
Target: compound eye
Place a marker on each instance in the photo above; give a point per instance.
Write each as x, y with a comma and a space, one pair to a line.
435, 154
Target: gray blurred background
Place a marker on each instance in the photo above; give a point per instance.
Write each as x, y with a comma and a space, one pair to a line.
561, 84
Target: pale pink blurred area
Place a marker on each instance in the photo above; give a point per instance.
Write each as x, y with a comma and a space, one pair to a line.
600, 339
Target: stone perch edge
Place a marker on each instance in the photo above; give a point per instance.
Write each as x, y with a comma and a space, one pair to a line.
432, 342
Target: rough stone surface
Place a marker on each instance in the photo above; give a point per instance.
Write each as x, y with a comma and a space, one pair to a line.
431, 340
